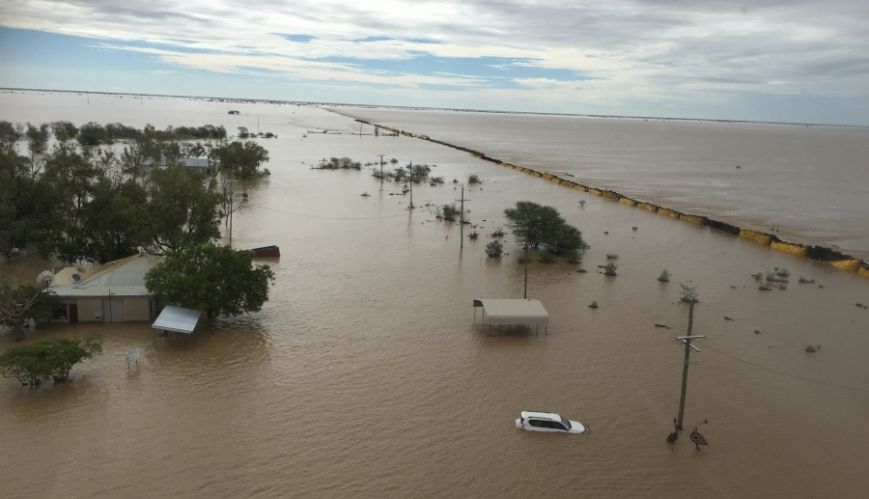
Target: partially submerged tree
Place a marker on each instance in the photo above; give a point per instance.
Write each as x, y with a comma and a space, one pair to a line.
19, 304
215, 279
47, 359
535, 225
182, 210
243, 159
494, 249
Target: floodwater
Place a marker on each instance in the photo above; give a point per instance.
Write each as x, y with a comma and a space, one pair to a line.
809, 183
364, 375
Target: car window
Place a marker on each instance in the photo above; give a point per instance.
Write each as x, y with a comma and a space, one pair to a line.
537, 423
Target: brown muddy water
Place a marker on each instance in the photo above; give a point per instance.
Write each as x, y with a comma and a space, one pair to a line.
364, 375
808, 184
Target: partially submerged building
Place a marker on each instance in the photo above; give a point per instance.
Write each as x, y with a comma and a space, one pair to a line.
202, 165
113, 292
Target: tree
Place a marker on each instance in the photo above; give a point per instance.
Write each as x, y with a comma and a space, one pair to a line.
182, 210
52, 358
566, 240
116, 220
18, 305
92, 134
242, 159
65, 189
215, 279
18, 192
9, 133
37, 139
64, 130
533, 224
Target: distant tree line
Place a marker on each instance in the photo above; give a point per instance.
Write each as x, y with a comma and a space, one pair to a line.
82, 200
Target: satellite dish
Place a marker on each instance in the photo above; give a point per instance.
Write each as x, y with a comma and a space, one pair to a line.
45, 278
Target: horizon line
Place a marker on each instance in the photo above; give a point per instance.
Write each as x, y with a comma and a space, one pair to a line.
429, 108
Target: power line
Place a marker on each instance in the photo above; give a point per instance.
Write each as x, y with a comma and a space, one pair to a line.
784, 373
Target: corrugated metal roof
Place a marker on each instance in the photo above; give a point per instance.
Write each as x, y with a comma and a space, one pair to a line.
185, 162
177, 319
124, 277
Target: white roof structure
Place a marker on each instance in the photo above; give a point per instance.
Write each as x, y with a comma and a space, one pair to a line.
177, 319
124, 277
512, 311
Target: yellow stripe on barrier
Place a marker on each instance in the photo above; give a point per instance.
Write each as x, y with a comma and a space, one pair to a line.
596, 192
580, 187
694, 219
863, 271
668, 213
793, 249
627, 202
611, 195
758, 237
548, 176
648, 207
851, 264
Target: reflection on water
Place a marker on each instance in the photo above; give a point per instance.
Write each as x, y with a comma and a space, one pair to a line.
364, 375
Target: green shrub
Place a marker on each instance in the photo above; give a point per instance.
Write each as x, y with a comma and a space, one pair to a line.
47, 359
494, 249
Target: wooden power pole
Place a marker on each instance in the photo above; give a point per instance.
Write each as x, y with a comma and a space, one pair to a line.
462, 219
410, 167
381, 172
688, 347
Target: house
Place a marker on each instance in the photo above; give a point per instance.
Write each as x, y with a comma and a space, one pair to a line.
202, 165
113, 292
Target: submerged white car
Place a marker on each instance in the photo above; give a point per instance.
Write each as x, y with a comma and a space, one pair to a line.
548, 421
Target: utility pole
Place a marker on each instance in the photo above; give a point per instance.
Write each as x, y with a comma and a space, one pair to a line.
525, 291
381, 172
688, 347
462, 219
410, 167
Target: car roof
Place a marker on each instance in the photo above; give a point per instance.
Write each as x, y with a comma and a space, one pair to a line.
541, 415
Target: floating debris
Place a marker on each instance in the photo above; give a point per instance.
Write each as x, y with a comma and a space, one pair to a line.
612, 256
862, 306
593, 305
764, 287
812, 348
365, 194
757, 331
674, 435
698, 439
635, 228
658, 324
728, 318
803, 280
664, 277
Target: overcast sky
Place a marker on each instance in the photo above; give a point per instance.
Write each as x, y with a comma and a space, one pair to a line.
772, 60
